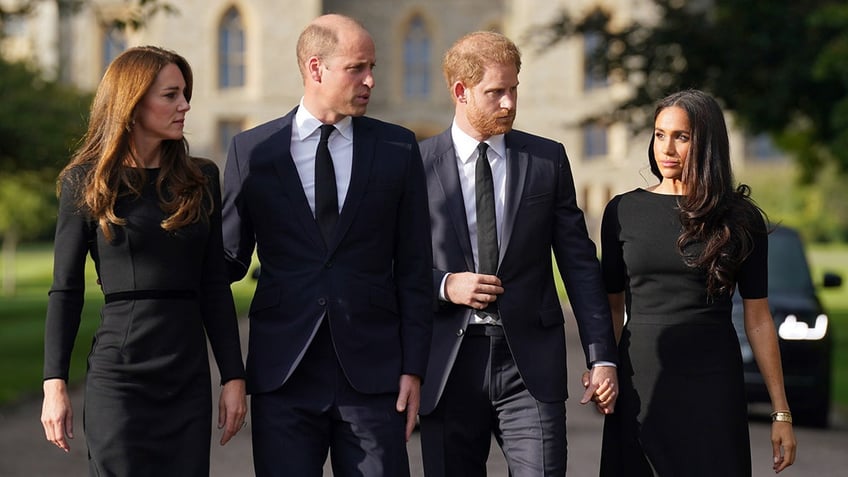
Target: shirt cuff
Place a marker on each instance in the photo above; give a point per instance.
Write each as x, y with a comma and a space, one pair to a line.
603, 363
442, 295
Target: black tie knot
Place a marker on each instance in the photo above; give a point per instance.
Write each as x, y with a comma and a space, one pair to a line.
482, 148
326, 130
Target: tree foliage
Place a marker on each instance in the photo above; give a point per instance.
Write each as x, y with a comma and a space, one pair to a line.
136, 15
39, 123
779, 65
39, 120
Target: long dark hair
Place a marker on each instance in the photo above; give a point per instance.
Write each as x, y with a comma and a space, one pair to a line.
107, 146
714, 212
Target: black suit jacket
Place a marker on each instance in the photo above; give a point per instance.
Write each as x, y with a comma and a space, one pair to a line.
372, 280
540, 214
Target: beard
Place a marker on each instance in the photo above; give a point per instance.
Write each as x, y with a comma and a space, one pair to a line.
490, 124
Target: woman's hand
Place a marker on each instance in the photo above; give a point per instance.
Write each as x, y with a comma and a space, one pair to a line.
57, 416
783, 445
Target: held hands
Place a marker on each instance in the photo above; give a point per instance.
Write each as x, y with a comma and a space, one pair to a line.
57, 416
601, 385
232, 409
472, 289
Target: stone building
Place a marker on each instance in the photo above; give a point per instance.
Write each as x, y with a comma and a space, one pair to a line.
243, 56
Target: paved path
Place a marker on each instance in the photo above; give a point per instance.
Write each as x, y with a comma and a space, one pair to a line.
25, 453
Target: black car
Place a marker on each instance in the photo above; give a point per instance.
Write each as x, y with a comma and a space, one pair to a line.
806, 340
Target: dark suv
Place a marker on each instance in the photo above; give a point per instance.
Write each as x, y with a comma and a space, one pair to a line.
806, 340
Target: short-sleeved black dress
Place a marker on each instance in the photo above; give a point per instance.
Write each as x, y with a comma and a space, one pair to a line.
148, 406
681, 409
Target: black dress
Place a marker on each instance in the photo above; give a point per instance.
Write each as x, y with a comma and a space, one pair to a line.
148, 406
682, 409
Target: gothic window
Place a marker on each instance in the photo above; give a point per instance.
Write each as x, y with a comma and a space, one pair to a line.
231, 51
416, 60
593, 78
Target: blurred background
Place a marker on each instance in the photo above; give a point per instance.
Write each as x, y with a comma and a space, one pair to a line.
592, 72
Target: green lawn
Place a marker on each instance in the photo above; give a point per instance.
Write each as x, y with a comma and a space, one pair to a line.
22, 320
22, 323
834, 258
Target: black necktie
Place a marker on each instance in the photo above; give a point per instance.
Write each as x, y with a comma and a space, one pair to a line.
487, 228
326, 198
487, 231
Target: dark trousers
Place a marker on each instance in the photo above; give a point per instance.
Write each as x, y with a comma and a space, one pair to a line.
486, 396
317, 411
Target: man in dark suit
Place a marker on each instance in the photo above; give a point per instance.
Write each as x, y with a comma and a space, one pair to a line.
335, 204
500, 201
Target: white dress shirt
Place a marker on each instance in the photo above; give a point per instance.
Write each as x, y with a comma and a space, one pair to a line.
466, 156
304, 142
465, 148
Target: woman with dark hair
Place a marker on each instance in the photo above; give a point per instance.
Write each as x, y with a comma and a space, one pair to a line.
150, 217
673, 254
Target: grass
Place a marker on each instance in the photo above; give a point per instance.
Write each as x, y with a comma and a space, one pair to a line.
22, 320
834, 258
22, 323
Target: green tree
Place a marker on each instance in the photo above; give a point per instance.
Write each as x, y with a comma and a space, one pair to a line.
778, 65
39, 123
138, 12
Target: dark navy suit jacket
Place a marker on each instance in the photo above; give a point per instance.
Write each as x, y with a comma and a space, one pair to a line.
373, 278
540, 214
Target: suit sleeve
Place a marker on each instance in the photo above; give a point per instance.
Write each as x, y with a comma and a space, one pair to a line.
578, 264
413, 268
238, 238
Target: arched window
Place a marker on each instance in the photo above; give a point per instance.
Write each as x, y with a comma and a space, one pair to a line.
416, 60
593, 77
231, 54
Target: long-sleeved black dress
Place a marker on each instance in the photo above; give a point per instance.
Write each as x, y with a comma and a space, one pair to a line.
148, 406
682, 409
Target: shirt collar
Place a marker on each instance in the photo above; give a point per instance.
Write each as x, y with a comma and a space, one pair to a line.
466, 146
306, 124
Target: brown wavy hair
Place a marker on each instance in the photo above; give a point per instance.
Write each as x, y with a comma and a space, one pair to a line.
107, 147
714, 212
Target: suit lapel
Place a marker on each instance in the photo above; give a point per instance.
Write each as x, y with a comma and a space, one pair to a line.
446, 171
516, 173
364, 145
290, 179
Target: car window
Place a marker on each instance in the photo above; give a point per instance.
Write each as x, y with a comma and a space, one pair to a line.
788, 269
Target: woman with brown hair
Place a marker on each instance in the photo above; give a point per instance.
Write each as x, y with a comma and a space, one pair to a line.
150, 217
673, 254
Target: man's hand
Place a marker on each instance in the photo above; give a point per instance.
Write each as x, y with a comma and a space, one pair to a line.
409, 400
232, 409
601, 385
472, 289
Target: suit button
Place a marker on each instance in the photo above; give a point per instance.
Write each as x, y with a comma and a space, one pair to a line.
322, 301
460, 332
329, 264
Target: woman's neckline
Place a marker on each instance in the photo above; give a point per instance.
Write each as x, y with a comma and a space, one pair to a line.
653, 192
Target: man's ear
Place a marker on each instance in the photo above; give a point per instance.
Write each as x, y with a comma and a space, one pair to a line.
313, 68
459, 91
